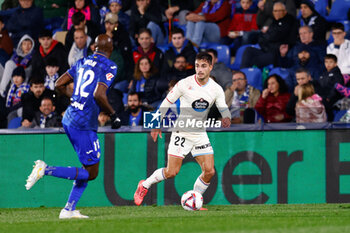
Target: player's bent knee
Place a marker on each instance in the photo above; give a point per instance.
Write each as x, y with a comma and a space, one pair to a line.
93, 175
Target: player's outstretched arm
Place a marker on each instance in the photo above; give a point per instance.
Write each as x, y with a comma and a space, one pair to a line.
102, 101
155, 133
62, 84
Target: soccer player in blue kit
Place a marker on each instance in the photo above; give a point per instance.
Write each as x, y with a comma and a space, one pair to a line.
91, 76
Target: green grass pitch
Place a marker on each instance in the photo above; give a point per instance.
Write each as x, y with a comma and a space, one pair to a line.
308, 218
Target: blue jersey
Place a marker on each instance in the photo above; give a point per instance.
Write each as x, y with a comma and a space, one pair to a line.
83, 111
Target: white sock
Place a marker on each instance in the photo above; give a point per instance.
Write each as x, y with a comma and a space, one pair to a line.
156, 177
200, 186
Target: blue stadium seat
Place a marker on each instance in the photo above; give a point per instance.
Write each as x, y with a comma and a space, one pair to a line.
224, 54
284, 73
339, 10
15, 123
321, 7
254, 77
238, 59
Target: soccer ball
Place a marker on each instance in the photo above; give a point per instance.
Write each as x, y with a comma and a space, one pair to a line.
192, 200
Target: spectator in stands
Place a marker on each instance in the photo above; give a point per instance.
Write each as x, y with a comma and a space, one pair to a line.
220, 71
309, 107
22, 56
32, 100
179, 45
133, 114
115, 6
147, 14
89, 10
54, 12
122, 51
310, 17
79, 22
303, 76
340, 47
273, 100
26, 19
6, 44
49, 48
179, 70
328, 80
282, 31
145, 81
209, 22
46, 117
51, 68
177, 10
289, 56
265, 14
148, 48
239, 97
306, 60
15, 92
243, 21
80, 47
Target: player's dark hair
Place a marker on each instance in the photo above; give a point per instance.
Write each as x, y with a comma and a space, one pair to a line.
213, 51
303, 70
331, 56
137, 72
338, 26
77, 18
145, 30
204, 56
282, 84
177, 30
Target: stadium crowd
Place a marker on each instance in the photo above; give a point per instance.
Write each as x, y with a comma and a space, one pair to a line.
285, 60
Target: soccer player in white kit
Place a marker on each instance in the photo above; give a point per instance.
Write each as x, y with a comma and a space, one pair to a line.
197, 94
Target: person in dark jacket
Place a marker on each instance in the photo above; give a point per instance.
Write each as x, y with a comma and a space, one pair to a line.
79, 22
145, 81
282, 31
147, 48
310, 17
25, 19
46, 117
49, 48
179, 45
147, 14
133, 114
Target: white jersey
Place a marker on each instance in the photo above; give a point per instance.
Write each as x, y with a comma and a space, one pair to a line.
196, 100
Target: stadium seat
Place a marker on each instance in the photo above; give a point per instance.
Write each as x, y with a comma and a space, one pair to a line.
224, 54
339, 11
285, 75
15, 123
321, 7
254, 77
238, 59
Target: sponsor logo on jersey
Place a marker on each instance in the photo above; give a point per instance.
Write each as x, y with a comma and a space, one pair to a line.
200, 105
109, 76
202, 146
113, 67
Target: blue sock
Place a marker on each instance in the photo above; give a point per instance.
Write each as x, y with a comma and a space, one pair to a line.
70, 173
77, 190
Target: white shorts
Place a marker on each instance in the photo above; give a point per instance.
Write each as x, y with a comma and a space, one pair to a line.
183, 143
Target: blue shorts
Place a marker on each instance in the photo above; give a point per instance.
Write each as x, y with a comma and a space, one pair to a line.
85, 143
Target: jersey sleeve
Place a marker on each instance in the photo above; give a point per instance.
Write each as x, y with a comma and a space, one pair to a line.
175, 93
107, 76
221, 104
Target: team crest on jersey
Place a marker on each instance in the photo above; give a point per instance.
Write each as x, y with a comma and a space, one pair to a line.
200, 105
109, 76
